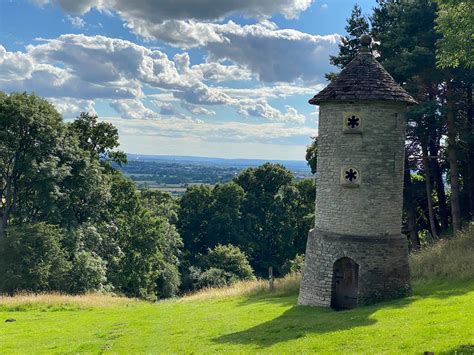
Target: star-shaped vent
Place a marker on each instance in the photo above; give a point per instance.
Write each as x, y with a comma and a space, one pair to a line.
351, 175
353, 122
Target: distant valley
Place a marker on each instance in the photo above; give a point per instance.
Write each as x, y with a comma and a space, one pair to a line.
174, 174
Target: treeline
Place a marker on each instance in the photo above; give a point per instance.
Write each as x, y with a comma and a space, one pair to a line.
427, 47
70, 222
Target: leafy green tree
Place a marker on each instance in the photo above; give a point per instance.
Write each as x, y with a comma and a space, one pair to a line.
455, 19
224, 224
30, 128
312, 155
356, 26
32, 259
193, 218
97, 138
160, 204
89, 272
269, 239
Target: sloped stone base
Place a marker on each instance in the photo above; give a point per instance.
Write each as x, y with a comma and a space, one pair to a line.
383, 267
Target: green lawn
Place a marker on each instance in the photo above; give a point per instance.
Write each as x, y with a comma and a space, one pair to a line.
439, 318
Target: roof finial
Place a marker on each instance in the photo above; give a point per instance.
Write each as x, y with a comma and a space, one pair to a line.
365, 41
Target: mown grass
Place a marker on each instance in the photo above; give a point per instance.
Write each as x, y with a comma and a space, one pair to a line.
247, 318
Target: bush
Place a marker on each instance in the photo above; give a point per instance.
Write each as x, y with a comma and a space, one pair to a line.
88, 272
297, 264
221, 266
212, 277
32, 259
230, 259
167, 284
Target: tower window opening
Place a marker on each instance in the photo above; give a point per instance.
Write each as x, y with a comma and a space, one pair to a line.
353, 122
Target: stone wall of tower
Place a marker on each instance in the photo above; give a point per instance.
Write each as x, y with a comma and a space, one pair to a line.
374, 207
359, 221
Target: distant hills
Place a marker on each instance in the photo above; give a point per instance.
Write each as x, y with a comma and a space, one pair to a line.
293, 165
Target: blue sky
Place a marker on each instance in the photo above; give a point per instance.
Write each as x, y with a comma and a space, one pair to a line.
221, 78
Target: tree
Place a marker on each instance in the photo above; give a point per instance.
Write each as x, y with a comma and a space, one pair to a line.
225, 224
266, 219
30, 129
454, 21
98, 138
312, 155
32, 259
193, 218
357, 25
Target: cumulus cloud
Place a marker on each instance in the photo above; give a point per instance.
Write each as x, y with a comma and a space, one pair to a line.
217, 131
197, 110
274, 55
133, 109
158, 11
14, 65
71, 108
76, 21
90, 67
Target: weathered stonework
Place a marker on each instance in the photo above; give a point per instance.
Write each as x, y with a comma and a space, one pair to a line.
383, 267
356, 250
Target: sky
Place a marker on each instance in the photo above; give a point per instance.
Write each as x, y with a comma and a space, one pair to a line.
215, 78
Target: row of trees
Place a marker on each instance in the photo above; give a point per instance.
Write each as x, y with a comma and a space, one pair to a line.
68, 220
263, 212
427, 47
71, 222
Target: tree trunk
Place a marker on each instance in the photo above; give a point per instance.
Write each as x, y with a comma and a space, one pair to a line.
410, 209
470, 147
426, 166
439, 183
452, 159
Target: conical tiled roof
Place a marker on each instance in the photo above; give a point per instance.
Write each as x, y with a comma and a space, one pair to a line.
363, 78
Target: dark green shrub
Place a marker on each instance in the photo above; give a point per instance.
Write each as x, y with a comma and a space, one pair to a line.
212, 277
230, 259
32, 259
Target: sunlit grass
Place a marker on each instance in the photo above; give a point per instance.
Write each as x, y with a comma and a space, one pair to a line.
248, 318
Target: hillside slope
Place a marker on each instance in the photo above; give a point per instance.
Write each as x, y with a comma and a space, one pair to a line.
438, 317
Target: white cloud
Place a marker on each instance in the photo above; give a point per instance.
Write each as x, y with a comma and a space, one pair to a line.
71, 108
14, 65
76, 21
158, 11
89, 67
133, 109
197, 110
212, 131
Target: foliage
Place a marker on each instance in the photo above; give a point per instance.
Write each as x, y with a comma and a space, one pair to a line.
297, 264
212, 277
32, 259
312, 155
88, 272
230, 259
455, 19
356, 26
267, 220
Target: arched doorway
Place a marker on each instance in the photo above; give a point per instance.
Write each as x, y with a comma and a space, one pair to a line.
345, 284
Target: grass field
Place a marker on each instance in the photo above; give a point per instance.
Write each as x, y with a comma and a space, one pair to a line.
246, 317
439, 317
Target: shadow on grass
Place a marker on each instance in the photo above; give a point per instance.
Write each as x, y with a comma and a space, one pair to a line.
298, 321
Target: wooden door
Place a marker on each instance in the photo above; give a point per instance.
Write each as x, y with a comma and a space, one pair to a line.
345, 284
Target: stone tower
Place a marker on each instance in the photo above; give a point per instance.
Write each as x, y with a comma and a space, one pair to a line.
356, 253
